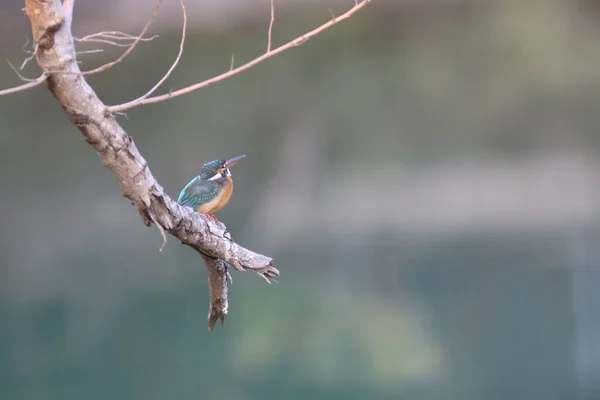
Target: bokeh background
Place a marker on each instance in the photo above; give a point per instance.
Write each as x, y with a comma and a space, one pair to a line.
427, 175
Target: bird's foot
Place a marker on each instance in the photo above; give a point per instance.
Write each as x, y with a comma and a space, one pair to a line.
212, 217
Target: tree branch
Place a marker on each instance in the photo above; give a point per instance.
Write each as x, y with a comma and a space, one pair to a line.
218, 284
271, 22
16, 71
112, 38
68, 9
31, 54
23, 87
181, 43
293, 43
56, 58
139, 38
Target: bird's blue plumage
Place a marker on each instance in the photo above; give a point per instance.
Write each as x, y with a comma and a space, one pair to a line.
207, 186
183, 191
199, 192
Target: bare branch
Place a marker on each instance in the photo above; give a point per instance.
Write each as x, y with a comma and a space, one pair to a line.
118, 152
181, 43
24, 47
111, 64
111, 37
117, 35
31, 57
332, 15
218, 287
94, 51
31, 53
26, 86
18, 73
270, 34
293, 43
107, 41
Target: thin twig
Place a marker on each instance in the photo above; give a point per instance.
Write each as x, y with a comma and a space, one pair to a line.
232, 62
26, 86
332, 15
293, 43
18, 73
31, 57
270, 34
24, 47
81, 52
31, 53
115, 35
111, 64
110, 34
181, 43
109, 42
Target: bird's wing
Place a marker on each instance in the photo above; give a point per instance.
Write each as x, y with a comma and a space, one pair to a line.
198, 192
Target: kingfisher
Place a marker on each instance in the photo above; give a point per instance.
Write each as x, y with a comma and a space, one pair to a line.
211, 190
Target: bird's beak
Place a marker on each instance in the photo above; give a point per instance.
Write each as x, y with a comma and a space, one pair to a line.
233, 161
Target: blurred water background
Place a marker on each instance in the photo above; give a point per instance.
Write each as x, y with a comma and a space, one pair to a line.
427, 175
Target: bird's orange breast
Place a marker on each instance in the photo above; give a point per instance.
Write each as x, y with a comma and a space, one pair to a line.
220, 201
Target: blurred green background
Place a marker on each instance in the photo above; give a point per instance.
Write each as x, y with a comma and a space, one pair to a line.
427, 175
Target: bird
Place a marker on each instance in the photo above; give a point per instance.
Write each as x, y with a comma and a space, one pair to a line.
210, 191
